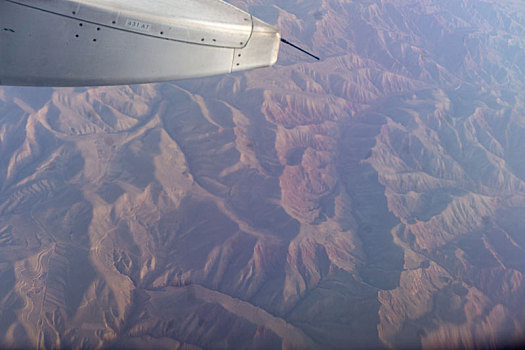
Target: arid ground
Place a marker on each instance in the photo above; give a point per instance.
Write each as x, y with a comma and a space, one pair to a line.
373, 199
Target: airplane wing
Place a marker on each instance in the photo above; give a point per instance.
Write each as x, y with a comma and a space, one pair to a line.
112, 42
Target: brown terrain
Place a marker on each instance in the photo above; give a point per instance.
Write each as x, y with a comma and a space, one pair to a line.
373, 199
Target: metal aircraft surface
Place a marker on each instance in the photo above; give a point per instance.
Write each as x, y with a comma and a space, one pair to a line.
112, 42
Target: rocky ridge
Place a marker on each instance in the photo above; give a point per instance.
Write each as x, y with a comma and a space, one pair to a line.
372, 199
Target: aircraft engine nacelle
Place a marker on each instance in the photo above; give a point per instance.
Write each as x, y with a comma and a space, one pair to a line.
112, 42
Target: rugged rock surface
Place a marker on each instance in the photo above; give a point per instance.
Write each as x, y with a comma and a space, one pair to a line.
375, 198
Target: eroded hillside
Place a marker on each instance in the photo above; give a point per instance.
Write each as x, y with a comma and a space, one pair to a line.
375, 198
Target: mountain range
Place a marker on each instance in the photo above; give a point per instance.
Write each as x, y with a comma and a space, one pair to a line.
373, 199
